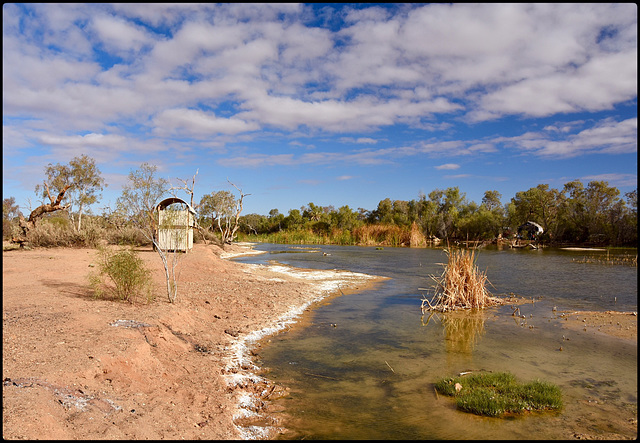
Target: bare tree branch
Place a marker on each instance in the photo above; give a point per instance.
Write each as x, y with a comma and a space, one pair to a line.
55, 205
185, 187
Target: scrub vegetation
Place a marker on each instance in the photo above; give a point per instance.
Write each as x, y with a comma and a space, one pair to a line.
497, 394
595, 214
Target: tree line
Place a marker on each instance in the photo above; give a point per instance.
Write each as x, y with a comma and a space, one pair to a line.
593, 214
576, 214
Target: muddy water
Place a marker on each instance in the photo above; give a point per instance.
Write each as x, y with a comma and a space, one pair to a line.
363, 366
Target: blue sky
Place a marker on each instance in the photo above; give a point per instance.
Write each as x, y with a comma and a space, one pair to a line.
335, 104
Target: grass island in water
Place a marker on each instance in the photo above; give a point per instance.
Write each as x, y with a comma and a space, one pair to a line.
495, 394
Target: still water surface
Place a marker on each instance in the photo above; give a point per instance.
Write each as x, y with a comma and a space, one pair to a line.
362, 366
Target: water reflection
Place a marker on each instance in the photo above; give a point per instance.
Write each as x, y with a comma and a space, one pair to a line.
461, 329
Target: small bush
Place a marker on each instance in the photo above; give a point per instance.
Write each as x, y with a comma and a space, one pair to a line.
496, 394
121, 273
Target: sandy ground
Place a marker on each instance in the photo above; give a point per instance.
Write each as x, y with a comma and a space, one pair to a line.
623, 325
77, 367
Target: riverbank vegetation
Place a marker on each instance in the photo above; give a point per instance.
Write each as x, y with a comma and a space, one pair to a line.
595, 214
495, 394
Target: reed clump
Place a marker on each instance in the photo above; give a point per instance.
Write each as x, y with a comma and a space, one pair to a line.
461, 285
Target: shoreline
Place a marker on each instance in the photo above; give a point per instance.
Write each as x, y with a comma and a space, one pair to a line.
76, 367
241, 369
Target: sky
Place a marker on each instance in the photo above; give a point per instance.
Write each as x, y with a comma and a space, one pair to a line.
331, 104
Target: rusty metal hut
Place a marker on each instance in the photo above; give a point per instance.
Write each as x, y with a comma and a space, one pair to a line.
175, 224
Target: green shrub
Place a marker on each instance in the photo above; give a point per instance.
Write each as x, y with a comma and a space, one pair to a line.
121, 273
496, 394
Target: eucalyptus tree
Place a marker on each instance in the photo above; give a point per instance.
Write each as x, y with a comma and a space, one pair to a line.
224, 211
274, 222
345, 218
88, 183
604, 208
574, 212
58, 179
629, 233
293, 220
448, 205
216, 206
10, 213
139, 198
84, 180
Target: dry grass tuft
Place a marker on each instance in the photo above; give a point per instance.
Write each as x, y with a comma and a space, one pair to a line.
461, 286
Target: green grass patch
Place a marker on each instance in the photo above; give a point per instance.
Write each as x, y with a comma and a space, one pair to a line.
498, 393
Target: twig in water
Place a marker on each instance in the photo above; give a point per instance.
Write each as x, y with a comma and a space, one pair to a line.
321, 376
390, 367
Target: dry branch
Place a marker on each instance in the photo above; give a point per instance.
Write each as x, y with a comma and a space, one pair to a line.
54, 205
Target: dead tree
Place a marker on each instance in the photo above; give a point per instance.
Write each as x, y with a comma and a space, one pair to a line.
53, 206
231, 229
189, 190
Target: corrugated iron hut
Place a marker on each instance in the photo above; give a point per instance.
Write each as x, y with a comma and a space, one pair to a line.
176, 219
530, 230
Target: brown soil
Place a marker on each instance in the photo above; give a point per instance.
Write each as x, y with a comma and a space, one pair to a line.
77, 367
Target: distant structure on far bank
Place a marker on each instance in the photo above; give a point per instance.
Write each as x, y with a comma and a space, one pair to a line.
530, 230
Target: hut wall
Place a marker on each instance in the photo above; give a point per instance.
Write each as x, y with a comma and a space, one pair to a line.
175, 230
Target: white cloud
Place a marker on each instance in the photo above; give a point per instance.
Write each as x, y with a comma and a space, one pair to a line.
605, 137
88, 140
448, 166
213, 75
120, 36
586, 88
198, 123
617, 180
390, 67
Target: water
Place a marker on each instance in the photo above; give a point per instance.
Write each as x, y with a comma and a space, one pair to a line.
362, 366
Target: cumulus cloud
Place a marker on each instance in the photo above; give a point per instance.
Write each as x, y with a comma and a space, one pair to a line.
530, 59
605, 137
197, 76
448, 166
615, 179
198, 123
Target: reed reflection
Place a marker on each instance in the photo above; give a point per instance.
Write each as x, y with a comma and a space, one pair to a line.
461, 329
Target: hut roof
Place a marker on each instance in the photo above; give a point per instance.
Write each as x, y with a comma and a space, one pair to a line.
171, 200
535, 225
